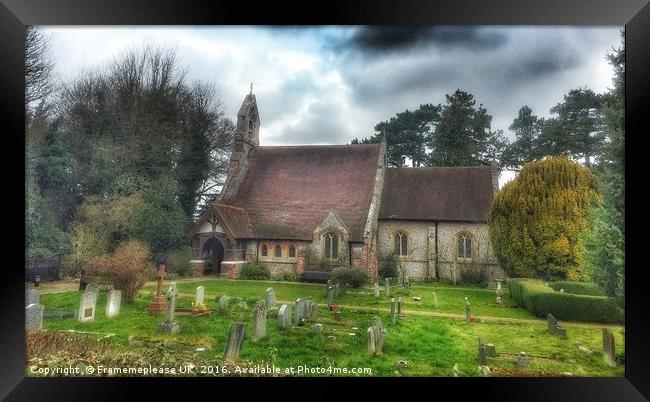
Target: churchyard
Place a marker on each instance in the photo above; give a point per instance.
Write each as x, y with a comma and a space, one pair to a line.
406, 333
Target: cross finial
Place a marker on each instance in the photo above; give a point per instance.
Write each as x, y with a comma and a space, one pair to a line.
251, 88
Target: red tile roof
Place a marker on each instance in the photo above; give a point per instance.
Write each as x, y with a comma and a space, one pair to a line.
437, 193
289, 190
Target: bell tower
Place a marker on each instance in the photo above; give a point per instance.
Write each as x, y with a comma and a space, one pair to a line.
247, 138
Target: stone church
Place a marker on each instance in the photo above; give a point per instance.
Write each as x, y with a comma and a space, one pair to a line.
288, 205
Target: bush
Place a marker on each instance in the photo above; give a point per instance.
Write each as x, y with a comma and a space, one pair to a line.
254, 270
577, 288
288, 277
389, 267
127, 268
537, 219
349, 277
178, 262
473, 274
540, 300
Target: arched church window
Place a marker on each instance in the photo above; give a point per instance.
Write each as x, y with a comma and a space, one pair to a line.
278, 251
400, 239
464, 243
265, 250
331, 241
292, 251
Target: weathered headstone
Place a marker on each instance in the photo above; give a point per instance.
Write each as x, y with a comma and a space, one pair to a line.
284, 316
300, 311
234, 341
482, 354
376, 337
522, 361
259, 321
499, 292
554, 327
387, 286
32, 296
223, 304
330, 295
337, 289
34, 316
87, 307
242, 304
376, 286
393, 310
484, 371
199, 296
609, 347
338, 316
317, 328
327, 286
170, 326
399, 306
435, 300
468, 310
113, 303
92, 288
173, 288
270, 298
491, 350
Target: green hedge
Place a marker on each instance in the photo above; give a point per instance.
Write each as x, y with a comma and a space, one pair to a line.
577, 288
540, 300
254, 270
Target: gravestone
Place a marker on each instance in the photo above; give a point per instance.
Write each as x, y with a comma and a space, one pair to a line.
92, 288
376, 289
87, 307
491, 350
393, 310
34, 316
407, 281
468, 310
328, 285
113, 303
399, 306
242, 304
200, 295
376, 337
270, 298
317, 328
330, 295
234, 341
609, 348
337, 290
300, 311
284, 316
522, 361
223, 304
482, 353
157, 304
32, 296
387, 286
313, 312
259, 321
435, 300
499, 292
554, 327
170, 326
484, 371
338, 316
455, 370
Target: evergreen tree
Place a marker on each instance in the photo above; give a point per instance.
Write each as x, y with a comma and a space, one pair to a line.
527, 128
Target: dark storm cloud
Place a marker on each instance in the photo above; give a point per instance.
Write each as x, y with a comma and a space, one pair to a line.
324, 123
381, 40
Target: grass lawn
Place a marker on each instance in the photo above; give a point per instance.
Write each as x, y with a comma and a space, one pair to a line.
429, 345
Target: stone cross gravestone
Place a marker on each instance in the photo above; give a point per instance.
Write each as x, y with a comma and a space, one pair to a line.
199, 296
113, 303
270, 298
393, 310
330, 295
157, 304
223, 304
468, 310
32, 296
482, 353
34, 316
87, 307
376, 337
387, 286
234, 341
170, 326
284, 316
609, 348
376, 286
259, 321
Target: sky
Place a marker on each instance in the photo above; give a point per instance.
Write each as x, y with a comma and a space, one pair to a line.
328, 85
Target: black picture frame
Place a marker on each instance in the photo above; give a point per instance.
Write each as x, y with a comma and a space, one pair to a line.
634, 14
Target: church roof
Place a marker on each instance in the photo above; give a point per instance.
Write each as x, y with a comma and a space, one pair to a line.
437, 193
289, 190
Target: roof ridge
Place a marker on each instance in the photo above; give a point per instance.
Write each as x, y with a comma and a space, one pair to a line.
319, 146
436, 167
